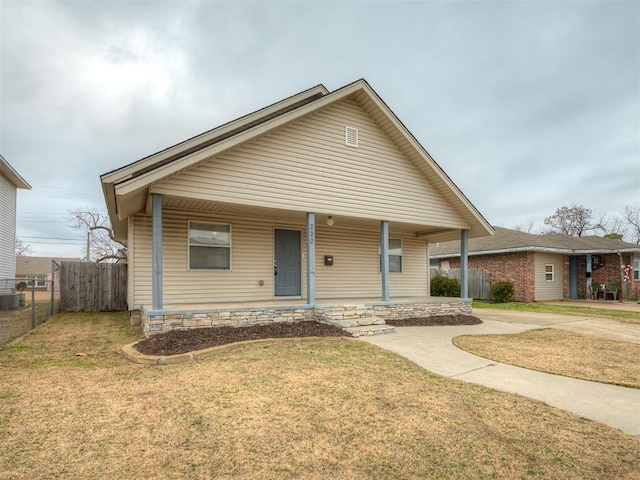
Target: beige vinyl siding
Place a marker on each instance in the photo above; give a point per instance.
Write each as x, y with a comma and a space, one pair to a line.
355, 272
546, 290
323, 175
8, 202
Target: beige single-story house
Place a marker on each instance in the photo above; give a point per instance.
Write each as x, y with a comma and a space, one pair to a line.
38, 272
322, 205
549, 267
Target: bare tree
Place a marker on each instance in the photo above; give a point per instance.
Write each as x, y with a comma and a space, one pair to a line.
611, 226
575, 221
521, 227
631, 215
22, 249
101, 243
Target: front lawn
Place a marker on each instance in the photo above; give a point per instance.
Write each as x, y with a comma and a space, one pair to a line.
561, 309
71, 407
562, 353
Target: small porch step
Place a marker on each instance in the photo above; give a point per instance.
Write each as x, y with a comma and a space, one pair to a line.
357, 322
366, 330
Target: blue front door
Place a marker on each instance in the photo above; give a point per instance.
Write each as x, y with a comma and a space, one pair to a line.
573, 277
288, 262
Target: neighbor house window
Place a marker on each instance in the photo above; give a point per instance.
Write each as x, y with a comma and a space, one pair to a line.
36, 281
395, 255
209, 246
548, 273
636, 268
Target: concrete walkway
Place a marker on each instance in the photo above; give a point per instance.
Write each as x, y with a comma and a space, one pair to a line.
432, 349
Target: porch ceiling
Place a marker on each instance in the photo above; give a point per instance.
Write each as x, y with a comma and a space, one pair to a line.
190, 205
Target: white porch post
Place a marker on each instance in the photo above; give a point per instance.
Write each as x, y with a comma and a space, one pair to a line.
464, 264
384, 257
156, 249
311, 258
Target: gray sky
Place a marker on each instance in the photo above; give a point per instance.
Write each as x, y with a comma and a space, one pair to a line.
527, 105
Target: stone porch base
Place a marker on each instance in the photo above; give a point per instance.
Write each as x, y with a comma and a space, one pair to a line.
344, 315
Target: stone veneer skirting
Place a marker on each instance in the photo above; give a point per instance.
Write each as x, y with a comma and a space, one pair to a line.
161, 321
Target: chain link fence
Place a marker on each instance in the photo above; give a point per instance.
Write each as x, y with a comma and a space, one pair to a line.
24, 305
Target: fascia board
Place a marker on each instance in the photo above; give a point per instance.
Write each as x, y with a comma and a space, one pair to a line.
14, 177
136, 183
128, 171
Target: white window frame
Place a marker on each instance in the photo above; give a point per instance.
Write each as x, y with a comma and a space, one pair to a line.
401, 256
547, 272
36, 281
636, 267
189, 245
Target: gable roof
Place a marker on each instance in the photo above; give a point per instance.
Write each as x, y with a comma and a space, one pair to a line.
7, 171
126, 190
507, 241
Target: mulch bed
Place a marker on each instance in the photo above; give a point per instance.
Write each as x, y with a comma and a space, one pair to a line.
436, 321
182, 341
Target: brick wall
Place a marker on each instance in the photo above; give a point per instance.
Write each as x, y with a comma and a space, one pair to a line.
516, 267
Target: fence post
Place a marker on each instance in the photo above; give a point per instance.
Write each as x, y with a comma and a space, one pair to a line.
33, 305
53, 285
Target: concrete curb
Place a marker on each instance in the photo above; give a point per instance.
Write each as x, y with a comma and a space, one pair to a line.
130, 353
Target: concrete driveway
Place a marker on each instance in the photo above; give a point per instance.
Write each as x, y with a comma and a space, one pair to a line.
432, 348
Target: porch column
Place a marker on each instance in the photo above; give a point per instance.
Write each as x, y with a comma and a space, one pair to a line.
384, 259
464, 264
311, 258
156, 249
589, 291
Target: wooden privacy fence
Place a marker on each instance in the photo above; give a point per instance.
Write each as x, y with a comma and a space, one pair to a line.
93, 287
479, 280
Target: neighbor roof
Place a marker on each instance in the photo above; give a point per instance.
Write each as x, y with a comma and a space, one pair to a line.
27, 265
505, 240
126, 190
7, 171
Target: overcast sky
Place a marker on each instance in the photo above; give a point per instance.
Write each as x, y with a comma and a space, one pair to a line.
527, 105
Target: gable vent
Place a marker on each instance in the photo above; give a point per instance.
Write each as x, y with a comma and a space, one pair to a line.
351, 137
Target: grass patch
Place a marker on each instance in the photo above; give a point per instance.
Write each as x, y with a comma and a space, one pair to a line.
562, 353
314, 410
562, 310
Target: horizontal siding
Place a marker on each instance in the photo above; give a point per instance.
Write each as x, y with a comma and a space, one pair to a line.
7, 229
355, 272
548, 290
305, 166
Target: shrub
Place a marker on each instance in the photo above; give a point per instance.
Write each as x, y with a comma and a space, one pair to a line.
445, 287
502, 291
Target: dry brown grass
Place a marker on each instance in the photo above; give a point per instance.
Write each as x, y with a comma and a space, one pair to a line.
340, 410
563, 353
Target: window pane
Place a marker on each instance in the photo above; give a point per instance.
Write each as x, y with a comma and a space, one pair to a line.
395, 263
210, 258
209, 234
395, 246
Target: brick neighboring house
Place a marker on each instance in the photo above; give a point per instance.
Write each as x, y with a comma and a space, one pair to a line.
546, 267
37, 271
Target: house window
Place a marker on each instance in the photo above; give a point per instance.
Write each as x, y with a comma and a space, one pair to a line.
209, 246
636, 268
395, 255
548, 273
36, 281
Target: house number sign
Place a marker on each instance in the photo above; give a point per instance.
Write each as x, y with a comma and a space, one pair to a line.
312, 234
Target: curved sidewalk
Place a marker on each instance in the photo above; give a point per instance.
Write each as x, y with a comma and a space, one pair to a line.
432, 349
